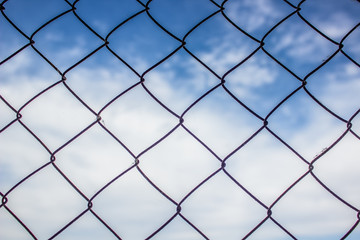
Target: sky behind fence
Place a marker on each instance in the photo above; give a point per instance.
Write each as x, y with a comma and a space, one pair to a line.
179, 119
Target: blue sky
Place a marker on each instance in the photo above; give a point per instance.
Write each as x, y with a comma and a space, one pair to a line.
265, 166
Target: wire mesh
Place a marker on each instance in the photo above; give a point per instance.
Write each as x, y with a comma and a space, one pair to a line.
138, 158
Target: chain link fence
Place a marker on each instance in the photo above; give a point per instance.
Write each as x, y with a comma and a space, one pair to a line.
56, 178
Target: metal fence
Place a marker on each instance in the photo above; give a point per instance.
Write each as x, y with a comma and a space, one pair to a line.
223, 167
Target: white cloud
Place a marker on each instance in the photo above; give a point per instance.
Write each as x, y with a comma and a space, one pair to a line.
219, 208
98, 86
255, 72
337, 26
224, 56
337, 87
24, 76
334, 19
156, 163
301, 43
257, 13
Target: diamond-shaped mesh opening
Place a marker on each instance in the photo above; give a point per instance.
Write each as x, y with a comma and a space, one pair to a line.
178, 164
333, 23
87, 227
309, 200
104, 17
42, 200
256, 17
95, 165
214, 126
28, 16
24, 76
266, 173
139, 201
15, 230
31, 157
180, 81
337, 86
138, 125
231, 216
293, 42
220, 48
101, 78
335, 168
260, 83
180, 17
296, 130
16, 40
43, 119
142, 48
66, 42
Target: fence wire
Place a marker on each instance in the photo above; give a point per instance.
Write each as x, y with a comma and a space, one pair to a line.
182, 44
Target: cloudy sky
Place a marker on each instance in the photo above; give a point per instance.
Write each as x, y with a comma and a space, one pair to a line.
137, 114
